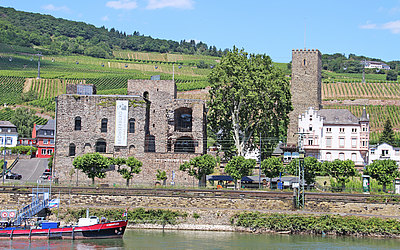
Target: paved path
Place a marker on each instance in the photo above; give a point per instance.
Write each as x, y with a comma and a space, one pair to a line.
30, 169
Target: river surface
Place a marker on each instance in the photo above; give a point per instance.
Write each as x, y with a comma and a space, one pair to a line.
157, 239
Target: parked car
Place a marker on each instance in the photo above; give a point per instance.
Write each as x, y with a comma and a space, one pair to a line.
14, 176
47, 170
46, 176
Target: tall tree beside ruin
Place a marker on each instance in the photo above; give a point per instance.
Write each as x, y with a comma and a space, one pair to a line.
92, 164
248, 97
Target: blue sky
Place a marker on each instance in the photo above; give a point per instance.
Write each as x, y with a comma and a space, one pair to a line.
370, 28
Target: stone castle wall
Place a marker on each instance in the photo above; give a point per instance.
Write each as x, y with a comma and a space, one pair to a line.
305, 87
152, 104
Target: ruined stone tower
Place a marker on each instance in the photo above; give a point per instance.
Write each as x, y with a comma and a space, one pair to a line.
305, 87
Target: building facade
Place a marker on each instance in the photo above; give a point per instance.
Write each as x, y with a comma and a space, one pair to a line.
305, 87
8, 134
331, 134
44, 136
376, 65
149, 123
384, 151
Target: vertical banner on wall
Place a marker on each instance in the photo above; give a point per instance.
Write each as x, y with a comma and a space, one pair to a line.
121, 123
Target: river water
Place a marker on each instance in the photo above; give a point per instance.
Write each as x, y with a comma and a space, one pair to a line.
157, 239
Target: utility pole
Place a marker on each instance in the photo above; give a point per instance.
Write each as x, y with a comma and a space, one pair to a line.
4, 152
38, 72
363, 75
259, 167
300, 191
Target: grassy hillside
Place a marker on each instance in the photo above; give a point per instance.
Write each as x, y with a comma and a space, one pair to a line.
18, 83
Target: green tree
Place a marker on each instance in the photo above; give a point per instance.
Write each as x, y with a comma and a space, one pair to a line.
199, 167
239, 167
162, 176
271, 167
388, 133
92, 164
340, 170
248, 97
384, 171
312, 168
119, 161
29, 96
24, 120
134, 166
391, 75
50, 162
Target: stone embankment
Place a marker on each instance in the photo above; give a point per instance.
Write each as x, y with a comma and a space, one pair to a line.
209, 209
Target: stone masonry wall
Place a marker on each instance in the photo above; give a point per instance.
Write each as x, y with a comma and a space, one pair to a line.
305, 87
91, 110
216, 207
152, 105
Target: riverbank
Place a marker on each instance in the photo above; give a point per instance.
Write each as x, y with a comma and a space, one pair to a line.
251, 222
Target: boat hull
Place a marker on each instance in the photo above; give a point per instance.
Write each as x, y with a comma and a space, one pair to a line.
114, 229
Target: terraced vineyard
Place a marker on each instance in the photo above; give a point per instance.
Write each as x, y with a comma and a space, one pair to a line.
6, 114
11, 89
358, 90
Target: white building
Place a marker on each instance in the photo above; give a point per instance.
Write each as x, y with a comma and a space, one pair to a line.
335, 134
8, 134
384, 151
376, 65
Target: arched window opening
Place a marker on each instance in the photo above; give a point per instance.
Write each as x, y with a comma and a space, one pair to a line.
72, 149
101, 146
183, 119
104, 122
184, 144
78, 125
87, 148
132, 125
131, 149
304, 62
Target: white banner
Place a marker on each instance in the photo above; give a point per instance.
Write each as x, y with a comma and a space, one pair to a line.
121, 123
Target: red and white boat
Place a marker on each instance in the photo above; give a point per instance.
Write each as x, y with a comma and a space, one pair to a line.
51, 230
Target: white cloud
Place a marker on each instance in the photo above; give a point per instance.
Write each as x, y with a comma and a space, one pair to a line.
393, 26
179, 4
122, 4
368, 26
51, 7
105, 18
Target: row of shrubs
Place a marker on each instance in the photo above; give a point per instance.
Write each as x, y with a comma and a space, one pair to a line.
136, 216
28, 150
312, 224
